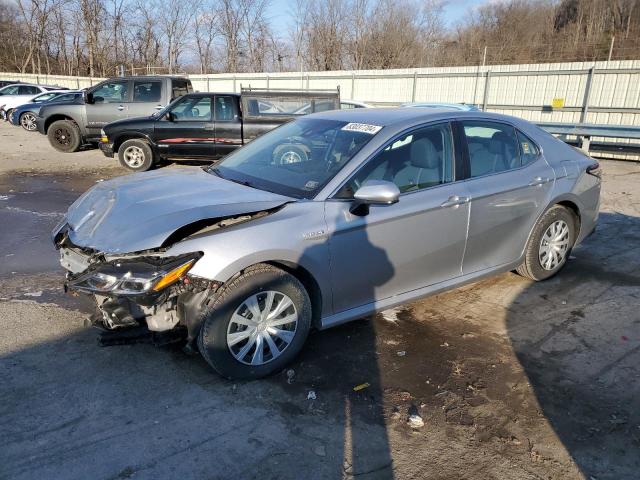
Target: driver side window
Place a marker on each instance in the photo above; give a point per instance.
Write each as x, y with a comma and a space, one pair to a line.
420, 159
194, 109
111, 92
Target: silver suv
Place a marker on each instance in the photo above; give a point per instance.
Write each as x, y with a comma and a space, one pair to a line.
326, 219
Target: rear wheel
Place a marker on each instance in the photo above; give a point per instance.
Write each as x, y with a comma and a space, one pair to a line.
256, 325
136, 155
550, 244
28, 121
64, 136
8, 114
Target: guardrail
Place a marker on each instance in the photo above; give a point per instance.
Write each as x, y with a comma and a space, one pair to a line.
584, 131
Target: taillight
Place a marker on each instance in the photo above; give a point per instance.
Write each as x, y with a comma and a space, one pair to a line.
594, 169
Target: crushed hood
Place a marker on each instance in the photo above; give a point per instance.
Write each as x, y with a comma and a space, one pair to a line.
139, 211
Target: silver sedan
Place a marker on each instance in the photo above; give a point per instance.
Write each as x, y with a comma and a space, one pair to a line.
324, 220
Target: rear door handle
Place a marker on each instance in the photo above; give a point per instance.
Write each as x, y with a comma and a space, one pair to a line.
159, 107
455, 201
209, 126
121, 107
539, 181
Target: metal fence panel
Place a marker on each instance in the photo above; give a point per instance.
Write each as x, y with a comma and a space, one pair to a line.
592, 92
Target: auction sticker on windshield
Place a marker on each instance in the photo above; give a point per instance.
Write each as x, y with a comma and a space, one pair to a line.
362, 127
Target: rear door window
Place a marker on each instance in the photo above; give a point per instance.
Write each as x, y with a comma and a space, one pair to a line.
180, 88
224, 109
28, 90
493, 147
147, 91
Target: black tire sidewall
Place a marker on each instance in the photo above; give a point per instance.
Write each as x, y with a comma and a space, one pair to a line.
213, 332
74, 133
148, 162
532, 257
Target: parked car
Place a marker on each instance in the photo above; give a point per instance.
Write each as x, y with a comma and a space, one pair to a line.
72, 125
6, 83
21, 92
390, 205
454, 106
206, 125
8, 104
25, 115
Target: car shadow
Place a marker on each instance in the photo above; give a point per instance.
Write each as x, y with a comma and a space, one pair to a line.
72, 409
577, 336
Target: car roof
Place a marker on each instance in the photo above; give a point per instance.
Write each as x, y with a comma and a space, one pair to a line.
208, 94
401, 117
454, 106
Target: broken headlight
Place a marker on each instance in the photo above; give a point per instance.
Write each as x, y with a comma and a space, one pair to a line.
134, 276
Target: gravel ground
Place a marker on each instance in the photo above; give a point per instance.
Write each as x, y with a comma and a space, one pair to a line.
513, 380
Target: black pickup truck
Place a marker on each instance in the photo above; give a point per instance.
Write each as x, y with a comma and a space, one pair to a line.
207, 125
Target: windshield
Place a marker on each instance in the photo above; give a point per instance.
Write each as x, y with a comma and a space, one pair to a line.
10, 90
298, 158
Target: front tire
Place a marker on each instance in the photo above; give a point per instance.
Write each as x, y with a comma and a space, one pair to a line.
28, 121
136, 155
256, 325
550, 244
64, 136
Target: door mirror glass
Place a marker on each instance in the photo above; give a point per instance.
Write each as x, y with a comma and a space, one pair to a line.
169, 116
88, 97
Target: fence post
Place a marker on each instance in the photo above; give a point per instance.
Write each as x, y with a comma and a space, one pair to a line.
587, 94
413, 90
234, 83
78, 83
353, 85
486, 91
208, 85
307, 82
267, 82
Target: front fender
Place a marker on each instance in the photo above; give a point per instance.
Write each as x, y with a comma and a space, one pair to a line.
275, 238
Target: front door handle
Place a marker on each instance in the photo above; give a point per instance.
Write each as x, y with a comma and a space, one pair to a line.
536, 182
455, 201
121, 107
209, 126
159, 107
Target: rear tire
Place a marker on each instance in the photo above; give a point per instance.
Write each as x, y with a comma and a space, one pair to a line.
64, 136
246, 331
136, 155
550, 244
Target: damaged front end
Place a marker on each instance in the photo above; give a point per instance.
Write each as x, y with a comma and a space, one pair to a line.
115, 241
140, 297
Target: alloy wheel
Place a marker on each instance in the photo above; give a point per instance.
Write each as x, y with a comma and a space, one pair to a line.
134, 156
28, 121
262, 328
554, 245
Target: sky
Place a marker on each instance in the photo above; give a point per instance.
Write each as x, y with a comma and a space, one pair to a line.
280, 12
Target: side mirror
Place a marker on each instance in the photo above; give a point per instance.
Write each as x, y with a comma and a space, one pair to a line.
88, 97
374, 192
170, 116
